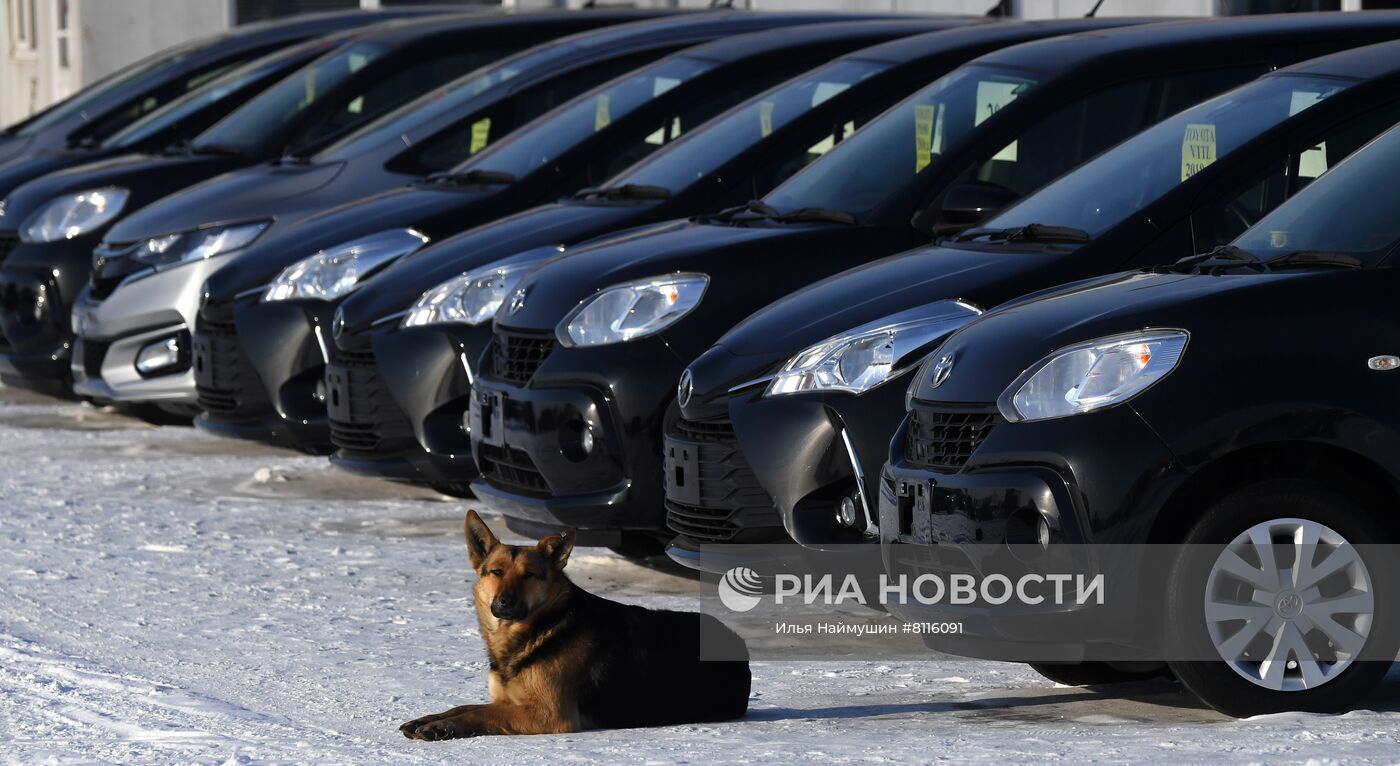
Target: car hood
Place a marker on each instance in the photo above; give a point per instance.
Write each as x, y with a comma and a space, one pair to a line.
148, 177
791, 255
12, 147
23, 170
531, 235
1218, 309
428, 210
247, 193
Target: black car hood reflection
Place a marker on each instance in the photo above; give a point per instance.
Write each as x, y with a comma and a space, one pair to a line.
409, 206
403, 282
245, 194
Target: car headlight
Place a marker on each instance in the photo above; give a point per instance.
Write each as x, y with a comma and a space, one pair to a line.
74, 215
471, 298
332, 273
632, 310
863, 358
185, 247
1093, 375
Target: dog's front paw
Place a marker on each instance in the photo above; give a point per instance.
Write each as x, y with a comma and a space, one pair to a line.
447, 728
411, 728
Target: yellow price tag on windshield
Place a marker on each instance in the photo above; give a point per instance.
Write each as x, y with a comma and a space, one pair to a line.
765, 118
923, 136
602, 116
481, 135
1197, 149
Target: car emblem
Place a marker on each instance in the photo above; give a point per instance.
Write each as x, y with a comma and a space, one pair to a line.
338, 327
941, 370
517, 300
685, 389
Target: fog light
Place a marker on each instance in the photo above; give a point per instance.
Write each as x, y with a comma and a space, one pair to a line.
585, 440
319, 393
1027, 527
847, 513
158, 356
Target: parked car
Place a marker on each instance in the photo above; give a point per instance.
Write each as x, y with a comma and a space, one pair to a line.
801, 398
61, 217
424, 321
281, 296
1234, 410
125, 96
573, 392
196, 111
431, 134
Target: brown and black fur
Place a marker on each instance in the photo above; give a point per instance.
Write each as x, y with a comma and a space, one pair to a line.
564, 660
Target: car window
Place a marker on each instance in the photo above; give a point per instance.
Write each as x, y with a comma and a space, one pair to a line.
702, 153
459, 142
1122, 181
1296, 168
1340, 212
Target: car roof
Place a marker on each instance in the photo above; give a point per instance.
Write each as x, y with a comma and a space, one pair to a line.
740, 47
908, 49
1365, 63
1099, 50
402, 32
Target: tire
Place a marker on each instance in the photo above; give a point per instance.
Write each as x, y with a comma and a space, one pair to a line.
1095, 673
1329, 681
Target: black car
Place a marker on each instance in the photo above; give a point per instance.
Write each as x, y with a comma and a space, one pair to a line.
59, 218
408, 422
1234, 411
114, 102
266, 381
809, 389
566, 370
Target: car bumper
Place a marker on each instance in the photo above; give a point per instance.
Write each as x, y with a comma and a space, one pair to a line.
38, 285
528, 433
112, 331
409, 421
1100, 490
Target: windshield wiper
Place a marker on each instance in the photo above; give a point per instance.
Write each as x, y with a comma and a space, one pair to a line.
1314, 258
754, 208
625, 191
1031, 232
1222, 257
478, 176
813, 214
219, 149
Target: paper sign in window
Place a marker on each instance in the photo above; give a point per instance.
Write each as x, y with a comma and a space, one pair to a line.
1197, 149
663, 84
765, 118
991, 97
481, 135
1312, 162
826, 90
923, 136
601, 116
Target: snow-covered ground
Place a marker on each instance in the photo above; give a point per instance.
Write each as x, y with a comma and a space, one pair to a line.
170, 597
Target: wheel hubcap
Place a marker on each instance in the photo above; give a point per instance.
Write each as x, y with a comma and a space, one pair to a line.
1289, 604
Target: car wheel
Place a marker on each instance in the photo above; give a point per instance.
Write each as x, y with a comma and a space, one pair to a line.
1279, 600
1095, 673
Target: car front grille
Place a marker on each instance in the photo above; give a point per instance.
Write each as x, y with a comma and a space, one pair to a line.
94, 354
512, 470
943, 437
732, 503
363, 416
516, 356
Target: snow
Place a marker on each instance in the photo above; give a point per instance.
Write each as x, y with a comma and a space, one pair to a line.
170, 597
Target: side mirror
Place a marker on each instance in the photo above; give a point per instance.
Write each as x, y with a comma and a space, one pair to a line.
973, 201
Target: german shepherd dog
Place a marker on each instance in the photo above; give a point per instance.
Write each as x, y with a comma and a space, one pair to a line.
564, 660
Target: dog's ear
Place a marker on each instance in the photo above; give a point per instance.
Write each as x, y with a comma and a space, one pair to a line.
556, 548
480, 539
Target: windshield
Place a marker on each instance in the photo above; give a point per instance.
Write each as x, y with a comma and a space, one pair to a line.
136, 79
445, 100
248, 129
242, 82
1346, 210
867, 168
1122, 181
697, 155
554, 133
